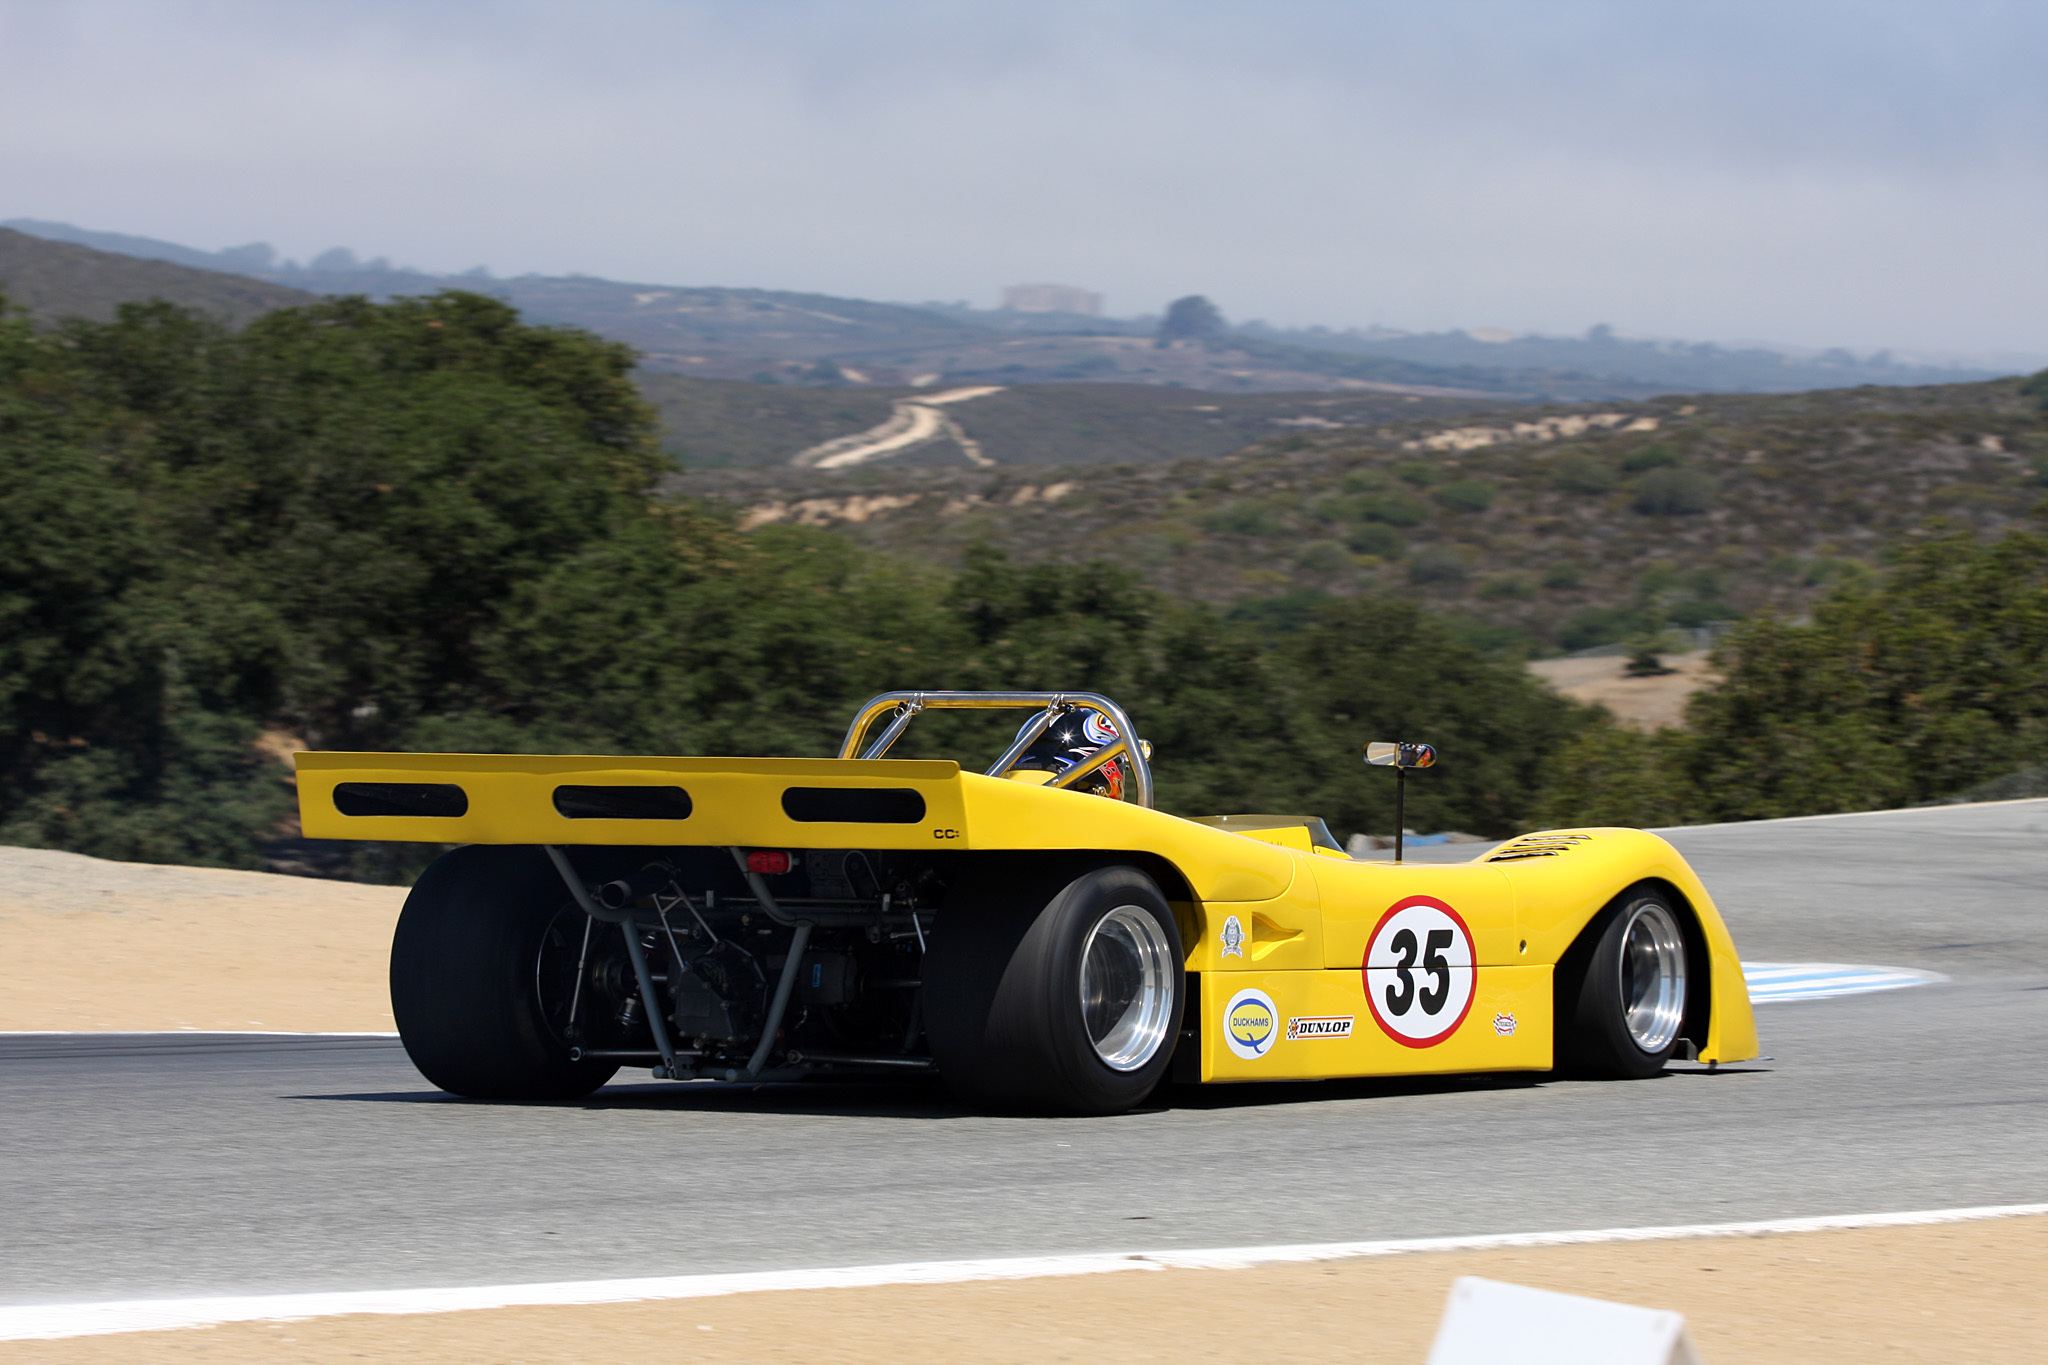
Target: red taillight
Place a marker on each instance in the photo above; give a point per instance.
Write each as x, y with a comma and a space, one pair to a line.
768, 864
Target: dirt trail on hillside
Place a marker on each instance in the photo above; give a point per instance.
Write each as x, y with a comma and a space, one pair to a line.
1961, 1292
94, 946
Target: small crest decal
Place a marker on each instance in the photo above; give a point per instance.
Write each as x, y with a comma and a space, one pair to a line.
1504, 1025
1233, 937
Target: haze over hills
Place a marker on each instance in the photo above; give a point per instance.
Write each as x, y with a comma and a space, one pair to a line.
714, 422
818, 340
55, 280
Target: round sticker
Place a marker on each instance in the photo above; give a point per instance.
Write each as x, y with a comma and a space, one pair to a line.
1251, 1024
1419, 972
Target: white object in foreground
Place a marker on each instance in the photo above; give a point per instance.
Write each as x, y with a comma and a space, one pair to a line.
1487, 1322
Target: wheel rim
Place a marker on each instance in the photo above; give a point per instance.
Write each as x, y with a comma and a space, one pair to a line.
1652, 977
1126, 987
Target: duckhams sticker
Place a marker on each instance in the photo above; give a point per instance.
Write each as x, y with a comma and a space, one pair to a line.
1251, 1024
1419, 972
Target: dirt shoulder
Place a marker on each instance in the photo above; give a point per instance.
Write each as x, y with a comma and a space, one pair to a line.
1960, 1292
94, 946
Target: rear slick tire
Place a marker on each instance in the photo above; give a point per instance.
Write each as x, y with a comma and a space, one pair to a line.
1051, 993
1621, 1006
463, 983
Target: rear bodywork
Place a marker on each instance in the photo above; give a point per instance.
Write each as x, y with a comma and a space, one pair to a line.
1269, 909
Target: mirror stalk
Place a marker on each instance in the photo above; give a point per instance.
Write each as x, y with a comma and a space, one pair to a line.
1400, 809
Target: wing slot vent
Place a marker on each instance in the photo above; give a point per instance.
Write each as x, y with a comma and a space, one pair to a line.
622, 803
854, 805
443, 800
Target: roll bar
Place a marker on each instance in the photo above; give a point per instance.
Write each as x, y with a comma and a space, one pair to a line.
1052, 705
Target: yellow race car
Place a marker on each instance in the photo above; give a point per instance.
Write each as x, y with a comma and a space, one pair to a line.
1037, 933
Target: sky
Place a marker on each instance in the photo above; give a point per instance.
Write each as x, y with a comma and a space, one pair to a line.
1868, 175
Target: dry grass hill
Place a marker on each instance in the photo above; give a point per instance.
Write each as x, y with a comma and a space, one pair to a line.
1544, 528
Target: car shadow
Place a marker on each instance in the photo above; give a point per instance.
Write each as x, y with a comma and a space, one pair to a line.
837, 1097
927, 1098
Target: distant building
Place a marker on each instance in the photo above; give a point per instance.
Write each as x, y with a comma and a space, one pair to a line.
1051, 298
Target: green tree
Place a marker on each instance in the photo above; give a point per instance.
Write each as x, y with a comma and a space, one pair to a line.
1193, 318
1377, 668
1901, 690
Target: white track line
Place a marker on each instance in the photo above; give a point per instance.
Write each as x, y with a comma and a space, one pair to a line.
44, 1321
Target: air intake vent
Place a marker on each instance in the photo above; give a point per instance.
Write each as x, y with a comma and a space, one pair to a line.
1537, 846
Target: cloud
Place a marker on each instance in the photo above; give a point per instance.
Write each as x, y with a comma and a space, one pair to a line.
1827, 173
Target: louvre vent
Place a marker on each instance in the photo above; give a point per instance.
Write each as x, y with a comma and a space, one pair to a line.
1536, 846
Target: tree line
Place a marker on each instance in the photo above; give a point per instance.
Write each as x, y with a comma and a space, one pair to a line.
425, 524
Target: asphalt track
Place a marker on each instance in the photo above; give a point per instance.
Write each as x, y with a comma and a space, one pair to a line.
144, 1166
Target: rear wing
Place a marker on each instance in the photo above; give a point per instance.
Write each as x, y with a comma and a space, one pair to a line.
540, 799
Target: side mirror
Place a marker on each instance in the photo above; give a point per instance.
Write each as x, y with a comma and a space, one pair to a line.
1388, 754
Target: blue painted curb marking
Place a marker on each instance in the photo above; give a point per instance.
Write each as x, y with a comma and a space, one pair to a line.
1772, 983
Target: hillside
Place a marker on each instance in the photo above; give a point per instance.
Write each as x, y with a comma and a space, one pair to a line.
1543, 528
1663, 366
715, 423
58, 279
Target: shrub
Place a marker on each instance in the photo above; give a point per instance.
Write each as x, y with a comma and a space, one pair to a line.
1583, 474
1466, 495
1245, 517
1442, 565
1599, 626
1507, 587
1673, 492
1323, 556
1393, 507
1611, 775
1376, 538
1564, 576
1651, 457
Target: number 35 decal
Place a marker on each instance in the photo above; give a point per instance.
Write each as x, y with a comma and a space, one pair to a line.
1419, 972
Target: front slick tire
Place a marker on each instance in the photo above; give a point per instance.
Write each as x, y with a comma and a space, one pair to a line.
1050, 993
1621, 993
462, 978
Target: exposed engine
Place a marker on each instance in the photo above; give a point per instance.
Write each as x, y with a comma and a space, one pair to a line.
714, 931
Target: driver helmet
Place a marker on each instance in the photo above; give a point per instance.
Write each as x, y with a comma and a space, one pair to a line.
1068, 740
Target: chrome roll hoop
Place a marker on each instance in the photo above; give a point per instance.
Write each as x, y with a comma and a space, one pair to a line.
1051, 705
